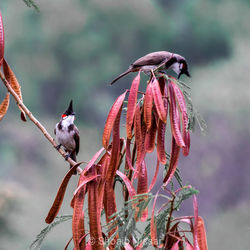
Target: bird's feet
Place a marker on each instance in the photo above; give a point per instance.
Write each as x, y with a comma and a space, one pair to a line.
58, 147
66, 157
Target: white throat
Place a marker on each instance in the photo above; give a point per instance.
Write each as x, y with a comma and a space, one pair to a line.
176, 68
68, 120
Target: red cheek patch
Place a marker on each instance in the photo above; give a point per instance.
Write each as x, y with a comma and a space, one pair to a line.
63, 115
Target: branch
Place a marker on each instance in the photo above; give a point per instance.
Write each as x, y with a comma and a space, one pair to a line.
169, 219
35, 121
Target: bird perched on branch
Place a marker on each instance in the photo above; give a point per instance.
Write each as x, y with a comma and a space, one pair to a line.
67, 134
160, 60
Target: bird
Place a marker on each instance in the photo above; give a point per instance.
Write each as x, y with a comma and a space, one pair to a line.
160, 60
67, 134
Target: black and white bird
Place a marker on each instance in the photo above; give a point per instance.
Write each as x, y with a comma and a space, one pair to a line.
162, 59
67, 134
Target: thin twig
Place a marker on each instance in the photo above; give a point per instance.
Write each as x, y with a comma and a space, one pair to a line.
35, 121
122, 154
170, 213
184, 231
169, 218
174, 236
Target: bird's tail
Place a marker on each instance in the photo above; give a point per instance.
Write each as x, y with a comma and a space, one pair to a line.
120, 76
73, 157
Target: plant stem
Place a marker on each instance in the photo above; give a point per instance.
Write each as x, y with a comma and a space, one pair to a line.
35, 121
169, 218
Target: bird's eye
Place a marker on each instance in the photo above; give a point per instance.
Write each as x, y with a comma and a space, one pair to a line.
63, 115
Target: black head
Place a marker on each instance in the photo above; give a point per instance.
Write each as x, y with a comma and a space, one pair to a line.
69, 110
183, 68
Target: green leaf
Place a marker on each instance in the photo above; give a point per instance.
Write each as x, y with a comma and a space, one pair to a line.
177, 173
161, 218
201, 122
184, 194
190, 110
125, 219
193, 115
36, 244
177, 176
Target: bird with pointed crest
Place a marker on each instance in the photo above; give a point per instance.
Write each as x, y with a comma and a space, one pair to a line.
67, 134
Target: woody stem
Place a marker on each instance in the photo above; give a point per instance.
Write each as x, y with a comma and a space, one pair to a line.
35, 121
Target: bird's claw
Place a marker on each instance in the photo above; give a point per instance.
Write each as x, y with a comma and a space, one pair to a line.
58, 147
66, 157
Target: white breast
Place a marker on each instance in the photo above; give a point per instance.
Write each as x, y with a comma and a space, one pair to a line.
176, 68
64, 137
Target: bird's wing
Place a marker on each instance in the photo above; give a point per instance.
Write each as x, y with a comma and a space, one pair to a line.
170, 62
55, 130
154, 58
77, 140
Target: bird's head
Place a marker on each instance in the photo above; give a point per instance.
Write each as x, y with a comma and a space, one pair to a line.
179, 65
183, 68
69, 114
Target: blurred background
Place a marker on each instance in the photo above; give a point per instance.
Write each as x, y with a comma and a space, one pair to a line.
72, 50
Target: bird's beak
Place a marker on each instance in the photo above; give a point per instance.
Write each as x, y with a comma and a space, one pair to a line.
187, 73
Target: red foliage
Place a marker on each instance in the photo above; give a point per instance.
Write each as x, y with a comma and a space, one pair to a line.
147, 117
4, 106
60, 195
140, 132
111, 119
78, 229
132, 100
148, 105
94, 209
161, 142
201, 234
158, 101
175, 118
144, 120
153, 232
142, 188
182, 105
12, 80
150, 135
174, 157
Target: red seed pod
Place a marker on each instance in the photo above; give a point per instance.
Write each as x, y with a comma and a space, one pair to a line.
148, 105
174, 118
111, 119
132, 99
159, 104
